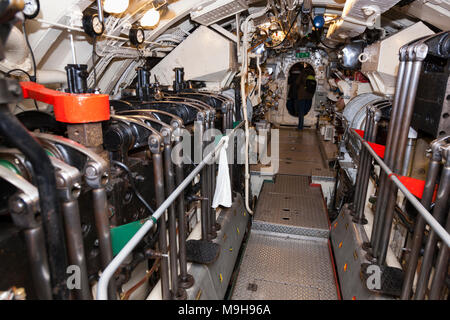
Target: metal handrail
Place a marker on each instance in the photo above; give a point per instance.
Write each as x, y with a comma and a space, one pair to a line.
434, 224
102, 287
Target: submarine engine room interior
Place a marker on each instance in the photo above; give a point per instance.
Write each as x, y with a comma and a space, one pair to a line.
224, 150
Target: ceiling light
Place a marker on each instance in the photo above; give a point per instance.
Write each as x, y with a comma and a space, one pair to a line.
150, 18
115, 6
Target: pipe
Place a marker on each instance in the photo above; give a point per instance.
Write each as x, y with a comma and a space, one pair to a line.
75, 246
362, 158
205, 204
37, 254
398, 159
441, 269
230, 126
134, 241
244, 72
169, 178
205, 190
434, 224
100, 10
365, 169
72, 47
439, 211
214, 227
51, 77
428, 191
44, 172
100, 204
238, 34
409, 156
396, 114
159, 195
185, 280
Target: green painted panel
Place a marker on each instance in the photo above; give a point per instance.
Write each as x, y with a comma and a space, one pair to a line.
122, 234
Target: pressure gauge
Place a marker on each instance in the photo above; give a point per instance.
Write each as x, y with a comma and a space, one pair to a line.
92, 25
31, 9
137, 36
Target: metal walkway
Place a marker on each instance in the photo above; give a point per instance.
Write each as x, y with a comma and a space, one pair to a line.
288, 256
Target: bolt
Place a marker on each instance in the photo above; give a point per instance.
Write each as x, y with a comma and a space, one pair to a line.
15, 89
59, 182
91, 171
18, 206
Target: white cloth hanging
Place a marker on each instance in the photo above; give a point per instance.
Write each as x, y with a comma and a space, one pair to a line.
222, 196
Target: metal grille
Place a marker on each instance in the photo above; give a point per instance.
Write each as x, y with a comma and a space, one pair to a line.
218, 10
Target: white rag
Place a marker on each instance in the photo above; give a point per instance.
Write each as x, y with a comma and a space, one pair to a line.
222, 196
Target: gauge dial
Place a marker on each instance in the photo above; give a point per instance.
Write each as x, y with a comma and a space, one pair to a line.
92, 25
97, 25
137, 36
31, 8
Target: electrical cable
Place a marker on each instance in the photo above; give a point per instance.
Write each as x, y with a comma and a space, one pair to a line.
32, 78
20, 70
289, 30
31, 50
133, 186
29, 77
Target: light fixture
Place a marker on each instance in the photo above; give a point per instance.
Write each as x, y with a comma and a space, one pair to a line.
115, 6
150, 18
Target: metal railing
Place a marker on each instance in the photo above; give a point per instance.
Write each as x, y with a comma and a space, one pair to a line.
108, 272
433, 223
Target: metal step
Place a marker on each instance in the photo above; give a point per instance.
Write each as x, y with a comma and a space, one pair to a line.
292, 205
285, 267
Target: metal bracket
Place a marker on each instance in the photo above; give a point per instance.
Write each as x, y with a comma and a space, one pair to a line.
96, 168
24, 204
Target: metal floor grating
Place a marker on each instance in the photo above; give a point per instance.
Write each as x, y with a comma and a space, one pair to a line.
277, 267
299, 153
288, 255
